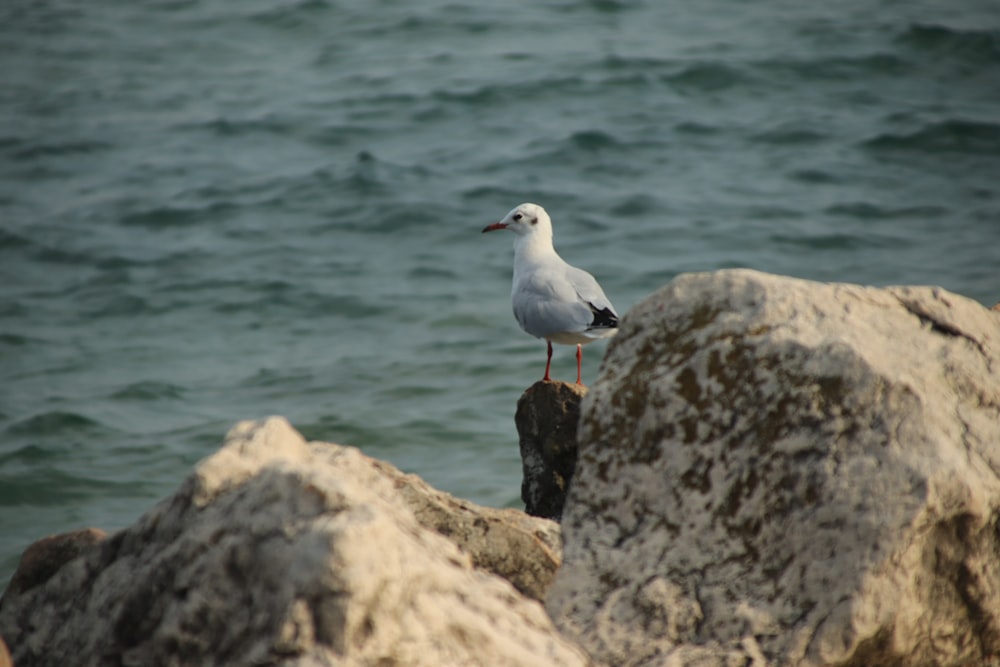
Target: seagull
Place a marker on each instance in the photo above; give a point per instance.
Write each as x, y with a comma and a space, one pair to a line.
551, 299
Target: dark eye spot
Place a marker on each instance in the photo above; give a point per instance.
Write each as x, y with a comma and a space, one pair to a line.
517, 216
534, 221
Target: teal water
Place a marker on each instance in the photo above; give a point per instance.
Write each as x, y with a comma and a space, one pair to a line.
212, 211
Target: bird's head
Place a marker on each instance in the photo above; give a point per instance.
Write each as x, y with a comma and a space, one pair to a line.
523, 220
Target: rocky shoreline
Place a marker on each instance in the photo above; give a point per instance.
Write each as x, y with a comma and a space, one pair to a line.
768, 471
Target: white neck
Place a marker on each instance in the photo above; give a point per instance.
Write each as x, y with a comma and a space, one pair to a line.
532, 248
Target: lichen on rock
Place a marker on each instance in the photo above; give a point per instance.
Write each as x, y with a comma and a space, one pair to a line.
812, 471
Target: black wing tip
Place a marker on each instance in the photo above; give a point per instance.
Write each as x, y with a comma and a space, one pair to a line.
604, 318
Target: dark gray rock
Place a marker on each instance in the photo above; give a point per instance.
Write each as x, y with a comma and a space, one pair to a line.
546, 419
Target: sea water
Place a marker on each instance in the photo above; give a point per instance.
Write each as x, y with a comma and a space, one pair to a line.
213, 211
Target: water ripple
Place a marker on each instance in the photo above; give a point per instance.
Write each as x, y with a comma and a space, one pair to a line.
55, 423
838, 68
148, 390
869, 211
25, 151
791, 136
976, 46
948, 136
708, 77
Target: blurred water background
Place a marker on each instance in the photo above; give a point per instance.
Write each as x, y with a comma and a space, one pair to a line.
217, 210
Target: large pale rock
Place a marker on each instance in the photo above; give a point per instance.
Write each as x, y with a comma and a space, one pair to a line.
546, 418
270, 554
775, 471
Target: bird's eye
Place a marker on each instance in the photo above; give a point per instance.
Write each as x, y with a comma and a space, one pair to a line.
517, 217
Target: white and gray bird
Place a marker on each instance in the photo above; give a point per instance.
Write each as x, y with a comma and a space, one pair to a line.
551, 299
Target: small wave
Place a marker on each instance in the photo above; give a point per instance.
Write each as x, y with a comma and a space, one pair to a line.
335, 428
816, 176
790, 136
696, 128
54, 423
62, 256
119, 305
25, 454
425, 272
493, 200
50, 487
950, 136
12, 240
462, 321
305, 304
364, 175
611, 6
773, 212
510, 93
40, 251
868, 211
12, 308
635, 205
820, 241
489, 193
233, 125
292, 15
632, 63
706, 77
838, 68
268, 378
598, 6
148, 391
589, 151
592, 140
968, 45
35, 150
164, 217
367, 176
426, 24
342, 134
15, 340
345, 306
116, 266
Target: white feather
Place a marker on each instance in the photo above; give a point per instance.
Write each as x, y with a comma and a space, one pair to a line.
550, 298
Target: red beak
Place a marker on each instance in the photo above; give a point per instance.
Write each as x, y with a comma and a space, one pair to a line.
495, 226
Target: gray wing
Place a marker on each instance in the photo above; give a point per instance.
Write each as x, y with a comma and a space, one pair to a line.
587, 288
563, 300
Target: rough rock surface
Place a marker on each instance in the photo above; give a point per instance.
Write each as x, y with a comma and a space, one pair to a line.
524, 550
270, 554
775, 471
43, 558
546, 418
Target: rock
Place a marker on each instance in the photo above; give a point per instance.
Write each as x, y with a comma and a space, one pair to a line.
270, 553
775, 471
525, 551
43, 558
546, 419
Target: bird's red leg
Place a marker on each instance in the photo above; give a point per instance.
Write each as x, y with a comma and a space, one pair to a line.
579, 362
548, 363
